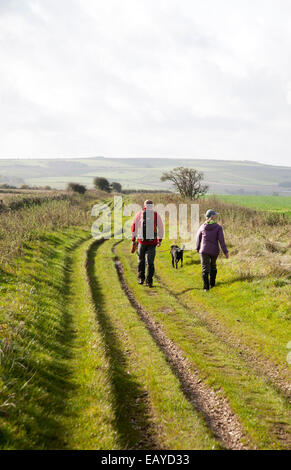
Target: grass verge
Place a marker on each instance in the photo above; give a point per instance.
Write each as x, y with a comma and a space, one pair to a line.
54, 390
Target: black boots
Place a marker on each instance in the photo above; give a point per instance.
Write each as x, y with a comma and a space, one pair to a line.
205, 279
213, 278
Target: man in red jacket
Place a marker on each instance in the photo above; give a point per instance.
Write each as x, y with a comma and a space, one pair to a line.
148, 229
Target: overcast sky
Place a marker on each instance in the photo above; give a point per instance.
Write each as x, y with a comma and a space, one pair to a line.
188, 78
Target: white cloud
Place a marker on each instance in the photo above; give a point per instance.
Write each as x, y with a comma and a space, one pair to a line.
147, 78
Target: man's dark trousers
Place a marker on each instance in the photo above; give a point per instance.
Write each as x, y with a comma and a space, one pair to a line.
208, 264
146, 255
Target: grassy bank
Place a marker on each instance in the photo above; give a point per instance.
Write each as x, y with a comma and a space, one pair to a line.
29, 221
47, 396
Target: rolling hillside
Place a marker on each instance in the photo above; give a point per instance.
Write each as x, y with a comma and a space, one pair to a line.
224, 177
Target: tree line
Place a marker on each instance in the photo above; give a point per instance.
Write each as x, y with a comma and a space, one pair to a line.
188, 182
99, 183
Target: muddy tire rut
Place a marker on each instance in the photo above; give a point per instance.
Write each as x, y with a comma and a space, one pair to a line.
262, 365
215, 409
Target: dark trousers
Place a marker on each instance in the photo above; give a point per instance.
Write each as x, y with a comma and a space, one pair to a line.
146, 256
209, 270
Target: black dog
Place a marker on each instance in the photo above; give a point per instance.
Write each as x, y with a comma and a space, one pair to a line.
177, 255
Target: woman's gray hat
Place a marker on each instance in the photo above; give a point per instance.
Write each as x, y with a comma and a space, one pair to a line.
211, 213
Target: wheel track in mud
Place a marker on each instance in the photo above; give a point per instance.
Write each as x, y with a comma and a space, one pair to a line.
215, 409
145, 432
262, 365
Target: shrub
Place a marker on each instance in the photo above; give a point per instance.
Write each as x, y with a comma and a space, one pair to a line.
116, 187
102, 184
76, 188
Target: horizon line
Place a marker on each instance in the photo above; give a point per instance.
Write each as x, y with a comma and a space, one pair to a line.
144, 157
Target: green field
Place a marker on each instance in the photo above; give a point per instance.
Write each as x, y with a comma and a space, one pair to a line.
266, 203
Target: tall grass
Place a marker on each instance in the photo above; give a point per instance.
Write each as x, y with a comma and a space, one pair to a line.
28, 218
22, 200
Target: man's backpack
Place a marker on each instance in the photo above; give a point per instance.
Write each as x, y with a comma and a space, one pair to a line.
149, 225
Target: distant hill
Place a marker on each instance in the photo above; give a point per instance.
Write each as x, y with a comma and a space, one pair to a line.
223, 176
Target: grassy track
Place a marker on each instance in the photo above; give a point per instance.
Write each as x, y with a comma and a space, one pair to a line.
262, 411
90, 415
79, 368
150, 409
91, 360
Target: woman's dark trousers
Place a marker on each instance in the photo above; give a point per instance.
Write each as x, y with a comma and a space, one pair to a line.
209, 270
146, 256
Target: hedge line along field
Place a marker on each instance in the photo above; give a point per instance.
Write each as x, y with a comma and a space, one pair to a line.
91, 360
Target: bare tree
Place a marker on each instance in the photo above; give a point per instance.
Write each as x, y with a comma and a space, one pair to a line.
187, 181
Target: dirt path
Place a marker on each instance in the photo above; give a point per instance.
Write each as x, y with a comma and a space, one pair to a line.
215, 409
